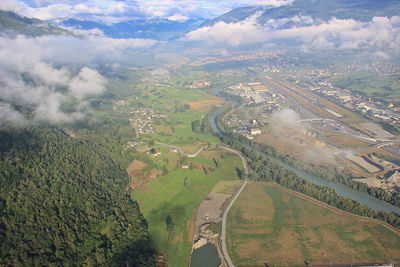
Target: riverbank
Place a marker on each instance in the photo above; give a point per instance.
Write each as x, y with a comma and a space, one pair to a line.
342, 190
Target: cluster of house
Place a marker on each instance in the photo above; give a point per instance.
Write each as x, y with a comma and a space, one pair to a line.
257, 93
249, 131
197, 84
361, 104
142, 120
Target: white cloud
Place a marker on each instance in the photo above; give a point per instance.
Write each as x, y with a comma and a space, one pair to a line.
60, 11
231, 34
273, 3
381, 33
177, 17
45, 72
8, 114
87, 82
46, 10
48, 109
286, 117
11, 5
49, 75
116, 10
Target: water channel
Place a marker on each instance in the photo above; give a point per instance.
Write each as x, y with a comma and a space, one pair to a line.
341, 189
208, 255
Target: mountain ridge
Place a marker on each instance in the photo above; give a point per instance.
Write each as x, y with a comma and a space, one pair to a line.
319, 10
157, 29
12, 23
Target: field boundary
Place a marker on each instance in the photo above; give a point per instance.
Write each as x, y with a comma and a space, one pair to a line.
321, 204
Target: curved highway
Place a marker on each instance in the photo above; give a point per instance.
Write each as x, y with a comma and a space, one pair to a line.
223, 234
183, 152
246, 169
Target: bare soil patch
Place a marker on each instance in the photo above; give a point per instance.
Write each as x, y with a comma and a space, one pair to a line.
204, 168
210, 209
135, 169
205, 104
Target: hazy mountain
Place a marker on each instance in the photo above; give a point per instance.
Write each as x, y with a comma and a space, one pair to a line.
13, 23
319, 10
157, 29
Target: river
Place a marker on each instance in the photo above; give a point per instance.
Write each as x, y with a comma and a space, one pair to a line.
208, 254
341, 189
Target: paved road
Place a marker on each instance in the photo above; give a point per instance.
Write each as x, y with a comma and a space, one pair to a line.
183, 152
246, 168
244, 161
223, 235
189, 155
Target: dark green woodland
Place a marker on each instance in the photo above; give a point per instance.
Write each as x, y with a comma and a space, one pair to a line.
63, 201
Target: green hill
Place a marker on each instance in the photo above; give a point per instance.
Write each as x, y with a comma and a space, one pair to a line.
11, 22
63, 202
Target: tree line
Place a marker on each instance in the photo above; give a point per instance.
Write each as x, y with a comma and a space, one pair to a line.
263, 168
202, 126
348, 180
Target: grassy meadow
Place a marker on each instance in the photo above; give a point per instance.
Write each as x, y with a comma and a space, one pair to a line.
269, 225
178, 194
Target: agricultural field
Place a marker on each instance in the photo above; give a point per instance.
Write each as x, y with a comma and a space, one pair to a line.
177, 195
181, 107
371, 84
205, 104
271, 225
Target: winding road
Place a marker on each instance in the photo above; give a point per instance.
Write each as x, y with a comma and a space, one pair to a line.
189, 155
183, 152
246, 169
223, 235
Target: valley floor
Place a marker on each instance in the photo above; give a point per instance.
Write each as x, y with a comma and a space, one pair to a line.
275, 226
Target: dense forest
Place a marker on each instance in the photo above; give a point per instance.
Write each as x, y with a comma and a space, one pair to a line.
63, 201
264, 169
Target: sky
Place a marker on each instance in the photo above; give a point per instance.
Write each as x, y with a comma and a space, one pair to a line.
117, 10
40, 66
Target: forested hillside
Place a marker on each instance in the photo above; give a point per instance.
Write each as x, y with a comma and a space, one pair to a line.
10, 21
63, 201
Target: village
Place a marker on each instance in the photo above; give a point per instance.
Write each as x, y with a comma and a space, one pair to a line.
141, 120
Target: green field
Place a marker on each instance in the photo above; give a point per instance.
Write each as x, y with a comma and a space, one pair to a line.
271, 225
176, 128
171, 195
370, 84
168, 99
